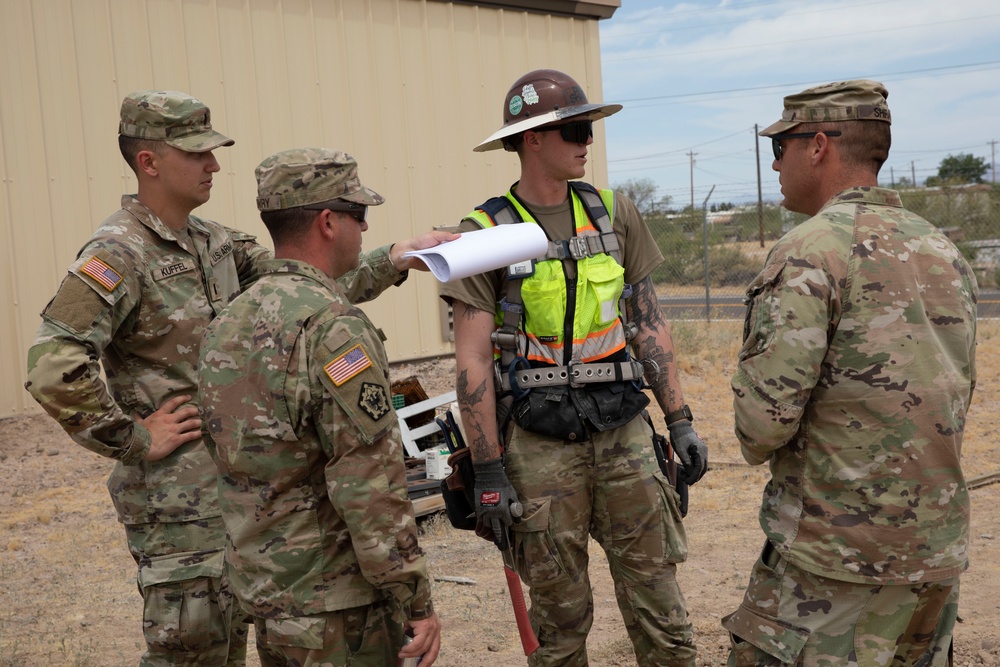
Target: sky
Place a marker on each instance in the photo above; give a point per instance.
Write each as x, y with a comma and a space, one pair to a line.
694, 77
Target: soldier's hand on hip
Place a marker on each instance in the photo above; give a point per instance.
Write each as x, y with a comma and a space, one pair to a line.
691, 449
497, 506
171, 427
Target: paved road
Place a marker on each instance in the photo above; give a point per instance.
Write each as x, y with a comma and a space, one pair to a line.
730, 306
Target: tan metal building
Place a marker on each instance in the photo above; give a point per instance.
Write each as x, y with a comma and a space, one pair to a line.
407, 86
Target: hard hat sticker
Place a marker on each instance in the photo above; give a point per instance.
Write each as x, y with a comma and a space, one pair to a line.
515, 105
529, 94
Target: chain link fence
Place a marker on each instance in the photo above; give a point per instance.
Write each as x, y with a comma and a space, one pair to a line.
736, 241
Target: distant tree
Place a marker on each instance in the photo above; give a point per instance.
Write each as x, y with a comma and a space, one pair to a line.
642, 192
961, 168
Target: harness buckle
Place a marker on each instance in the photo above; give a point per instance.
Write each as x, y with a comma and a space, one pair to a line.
505, 340
508, 307
578, 247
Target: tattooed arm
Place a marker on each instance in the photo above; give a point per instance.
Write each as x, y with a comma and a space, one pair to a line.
474, 382
653, 342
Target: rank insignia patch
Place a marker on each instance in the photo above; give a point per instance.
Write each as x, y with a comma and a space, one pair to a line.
373, 400
102, 273
347, 365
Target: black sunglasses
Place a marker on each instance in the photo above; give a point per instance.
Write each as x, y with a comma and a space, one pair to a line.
576, 132
776, 139
357, 211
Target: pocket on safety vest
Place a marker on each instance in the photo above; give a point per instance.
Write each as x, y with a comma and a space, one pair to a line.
544, 296
601, 284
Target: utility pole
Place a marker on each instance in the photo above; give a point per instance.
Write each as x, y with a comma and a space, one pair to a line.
760, 199
993, 169
913, 173
892, 178
691, 155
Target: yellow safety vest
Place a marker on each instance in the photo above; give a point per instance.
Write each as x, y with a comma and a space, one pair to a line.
585, 310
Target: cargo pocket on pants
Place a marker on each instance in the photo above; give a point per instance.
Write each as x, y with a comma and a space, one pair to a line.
674, 537
535, 554
181, 611
752, 634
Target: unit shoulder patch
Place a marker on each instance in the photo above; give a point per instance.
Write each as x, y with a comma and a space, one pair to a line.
373, 400
342, 368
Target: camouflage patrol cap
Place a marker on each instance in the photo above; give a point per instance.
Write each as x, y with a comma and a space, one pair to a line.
302, 176
861, 99
176, 119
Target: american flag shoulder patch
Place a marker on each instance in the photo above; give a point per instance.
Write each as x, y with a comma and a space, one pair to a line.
350, 363
102, 273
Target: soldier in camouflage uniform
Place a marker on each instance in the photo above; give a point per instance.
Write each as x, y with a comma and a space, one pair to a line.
580, 457
854, 382
138, 299
294, 389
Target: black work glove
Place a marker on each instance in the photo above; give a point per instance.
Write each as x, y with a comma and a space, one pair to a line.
497, 506
692, 451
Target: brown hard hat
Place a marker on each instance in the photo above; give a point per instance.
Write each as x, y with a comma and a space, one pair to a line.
541, 97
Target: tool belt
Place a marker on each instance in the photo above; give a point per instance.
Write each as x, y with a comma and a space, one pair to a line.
574, 375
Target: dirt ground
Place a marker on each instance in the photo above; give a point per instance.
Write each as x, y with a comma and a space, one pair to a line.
67, 582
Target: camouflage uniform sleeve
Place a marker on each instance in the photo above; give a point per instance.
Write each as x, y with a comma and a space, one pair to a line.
63, 363
366, 477
791, 307
248, 255
374, 275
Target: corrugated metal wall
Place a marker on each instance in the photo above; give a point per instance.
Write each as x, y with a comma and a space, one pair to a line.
407, 86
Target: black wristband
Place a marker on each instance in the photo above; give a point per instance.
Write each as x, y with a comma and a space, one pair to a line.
677, 415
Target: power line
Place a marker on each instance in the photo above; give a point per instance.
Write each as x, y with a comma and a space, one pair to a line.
780, 86
681, 150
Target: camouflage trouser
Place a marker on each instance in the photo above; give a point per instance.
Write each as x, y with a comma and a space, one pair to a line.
610, 488
367, 636
190, 617
792, 617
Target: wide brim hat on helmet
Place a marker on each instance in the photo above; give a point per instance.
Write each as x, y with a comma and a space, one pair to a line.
541, 97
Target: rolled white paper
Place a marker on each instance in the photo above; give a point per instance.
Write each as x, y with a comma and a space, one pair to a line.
483, 250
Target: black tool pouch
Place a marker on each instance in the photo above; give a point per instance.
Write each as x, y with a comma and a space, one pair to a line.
550, 411
458, 491
608, 406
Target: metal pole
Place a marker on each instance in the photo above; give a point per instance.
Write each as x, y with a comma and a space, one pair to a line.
760, 197
691, 155
993, 154
704, 227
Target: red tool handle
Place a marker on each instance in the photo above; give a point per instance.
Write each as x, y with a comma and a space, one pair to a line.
528, 640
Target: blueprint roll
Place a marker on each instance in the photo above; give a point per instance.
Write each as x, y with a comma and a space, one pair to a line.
484, 250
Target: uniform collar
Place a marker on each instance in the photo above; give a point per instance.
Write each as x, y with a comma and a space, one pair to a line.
132, 204
299, 268
866, 195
